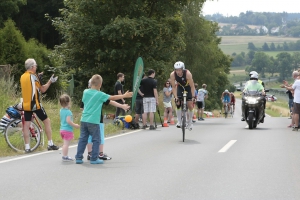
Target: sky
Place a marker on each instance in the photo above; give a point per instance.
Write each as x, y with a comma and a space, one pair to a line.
235, 7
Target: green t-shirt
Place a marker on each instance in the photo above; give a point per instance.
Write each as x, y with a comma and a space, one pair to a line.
253, 85
93, 101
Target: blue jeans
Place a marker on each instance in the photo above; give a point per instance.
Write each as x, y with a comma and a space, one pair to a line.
87, 129
101, 125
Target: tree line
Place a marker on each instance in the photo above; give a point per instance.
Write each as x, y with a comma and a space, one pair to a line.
283, 63
106, 37
281, 23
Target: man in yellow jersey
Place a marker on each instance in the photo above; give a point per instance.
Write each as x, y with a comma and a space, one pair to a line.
31, 94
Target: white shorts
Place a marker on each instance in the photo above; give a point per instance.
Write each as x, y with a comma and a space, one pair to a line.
167, 104
149, 104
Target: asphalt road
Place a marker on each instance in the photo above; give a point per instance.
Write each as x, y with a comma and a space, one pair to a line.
220, 159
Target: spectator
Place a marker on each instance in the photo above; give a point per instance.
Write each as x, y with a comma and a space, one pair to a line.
102, 156
66, 125
150, 98
93, 100
201, 96
167, 97
119, 91
139, 108
31, 93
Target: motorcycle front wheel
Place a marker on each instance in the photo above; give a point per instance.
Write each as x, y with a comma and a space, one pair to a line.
251, 120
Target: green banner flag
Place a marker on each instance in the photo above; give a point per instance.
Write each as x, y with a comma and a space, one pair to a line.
137, 77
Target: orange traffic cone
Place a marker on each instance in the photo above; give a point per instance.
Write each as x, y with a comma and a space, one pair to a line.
194, 118
165, 122
172, 121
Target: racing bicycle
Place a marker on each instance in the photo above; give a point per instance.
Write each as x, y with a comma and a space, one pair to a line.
14, 134
183, 103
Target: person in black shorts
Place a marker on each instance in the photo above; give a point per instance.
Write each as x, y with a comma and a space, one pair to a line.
185, 81
119, 91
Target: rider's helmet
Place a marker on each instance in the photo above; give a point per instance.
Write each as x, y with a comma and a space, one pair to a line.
254, 77
226, 91
13, 113
253, 72
179, 65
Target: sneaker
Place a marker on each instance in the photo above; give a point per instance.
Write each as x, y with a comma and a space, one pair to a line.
79, 161
152, 127
178, 125
295, 129
104, 157
89, 156
199, 119
144, 126
27, 150
243, 119
98, 161
67, 159
52, 147
202, 119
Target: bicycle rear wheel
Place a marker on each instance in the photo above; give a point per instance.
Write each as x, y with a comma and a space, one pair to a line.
14, 135
183, 126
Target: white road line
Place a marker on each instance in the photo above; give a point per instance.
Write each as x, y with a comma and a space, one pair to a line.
227, 146
45, 152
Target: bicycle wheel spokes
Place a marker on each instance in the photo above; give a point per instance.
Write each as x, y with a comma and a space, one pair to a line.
15, 139
14, 135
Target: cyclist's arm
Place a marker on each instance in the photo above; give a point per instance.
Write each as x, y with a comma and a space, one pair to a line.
45, 87
222, 95
190, 80
174, 89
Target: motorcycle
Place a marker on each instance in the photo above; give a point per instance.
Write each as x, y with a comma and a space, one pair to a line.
253, 108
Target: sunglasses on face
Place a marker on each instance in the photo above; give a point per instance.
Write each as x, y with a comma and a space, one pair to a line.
167, 83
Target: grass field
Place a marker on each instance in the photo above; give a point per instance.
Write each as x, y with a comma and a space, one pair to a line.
238, 44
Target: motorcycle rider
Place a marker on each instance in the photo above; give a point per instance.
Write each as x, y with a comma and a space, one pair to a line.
259, 81
253, 85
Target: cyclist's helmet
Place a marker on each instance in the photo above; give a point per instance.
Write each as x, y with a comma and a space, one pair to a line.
253, 72
226, 91
13, 113
179, 65
254, 77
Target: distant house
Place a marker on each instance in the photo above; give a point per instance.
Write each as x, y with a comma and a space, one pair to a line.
263, 28
275, 30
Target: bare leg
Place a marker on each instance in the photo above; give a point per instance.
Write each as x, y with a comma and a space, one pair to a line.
26, 131
65, 148
151, 116
48, 129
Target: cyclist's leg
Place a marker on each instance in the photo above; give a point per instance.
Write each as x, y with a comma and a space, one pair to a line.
26, 125
178, 113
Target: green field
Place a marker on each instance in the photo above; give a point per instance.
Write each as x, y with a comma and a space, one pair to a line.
238, 44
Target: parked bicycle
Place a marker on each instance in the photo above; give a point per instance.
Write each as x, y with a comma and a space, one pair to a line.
14, 131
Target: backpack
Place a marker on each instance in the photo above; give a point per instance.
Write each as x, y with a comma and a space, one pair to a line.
134, 125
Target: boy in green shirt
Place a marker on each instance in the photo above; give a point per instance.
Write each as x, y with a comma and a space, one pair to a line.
93, 100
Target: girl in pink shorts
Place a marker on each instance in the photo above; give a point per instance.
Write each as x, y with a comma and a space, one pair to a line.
66, 125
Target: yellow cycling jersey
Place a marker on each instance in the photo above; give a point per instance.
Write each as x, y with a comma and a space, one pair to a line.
30, 85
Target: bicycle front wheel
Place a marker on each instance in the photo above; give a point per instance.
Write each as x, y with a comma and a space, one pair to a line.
15, 139
183, 126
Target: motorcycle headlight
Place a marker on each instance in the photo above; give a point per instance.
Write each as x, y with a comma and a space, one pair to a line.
251, 101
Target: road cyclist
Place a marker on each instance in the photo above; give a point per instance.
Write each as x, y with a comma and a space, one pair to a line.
232, 104
185, 82
225, 98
